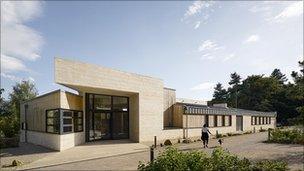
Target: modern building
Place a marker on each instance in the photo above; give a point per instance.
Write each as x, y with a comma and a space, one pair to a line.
113, 104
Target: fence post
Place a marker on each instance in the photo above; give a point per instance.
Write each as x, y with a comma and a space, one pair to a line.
151, 153
155, 141
269, 134
253, 129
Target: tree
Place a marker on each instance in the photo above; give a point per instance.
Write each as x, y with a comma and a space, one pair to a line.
235, 79
22, 91
277, 74
299, 77
220, 94
233, 90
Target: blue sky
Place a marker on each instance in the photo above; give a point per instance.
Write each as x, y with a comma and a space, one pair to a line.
191, 45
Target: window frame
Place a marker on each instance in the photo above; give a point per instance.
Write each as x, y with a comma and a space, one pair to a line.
61, 118
46, 121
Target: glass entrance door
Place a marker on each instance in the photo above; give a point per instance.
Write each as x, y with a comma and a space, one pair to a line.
101, 126
107, 117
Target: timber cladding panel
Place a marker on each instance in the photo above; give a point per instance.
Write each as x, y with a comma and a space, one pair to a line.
35, 113
169, 101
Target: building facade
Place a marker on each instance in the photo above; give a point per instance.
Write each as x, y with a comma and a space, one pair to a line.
113, 104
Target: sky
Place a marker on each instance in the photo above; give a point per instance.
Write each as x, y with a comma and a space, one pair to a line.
191, 45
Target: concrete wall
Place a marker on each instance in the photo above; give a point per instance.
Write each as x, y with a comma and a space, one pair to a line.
169, 101
82, 76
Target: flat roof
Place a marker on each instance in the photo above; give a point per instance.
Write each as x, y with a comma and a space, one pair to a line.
224, 111
49, 93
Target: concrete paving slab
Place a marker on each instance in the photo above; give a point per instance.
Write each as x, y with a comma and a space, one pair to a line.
88, 151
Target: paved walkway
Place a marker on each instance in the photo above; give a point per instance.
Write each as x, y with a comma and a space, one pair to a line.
124, 155
89, 151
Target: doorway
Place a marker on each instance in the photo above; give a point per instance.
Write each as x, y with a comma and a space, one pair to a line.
239, 123
107, 117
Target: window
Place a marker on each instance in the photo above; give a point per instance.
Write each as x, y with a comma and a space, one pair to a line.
269, 120
259, 120
223, 120
64, 121
230, 120
215, 121
102, 102
207, 120
255, 120
53, 121
67, 121
120, 104
78, 121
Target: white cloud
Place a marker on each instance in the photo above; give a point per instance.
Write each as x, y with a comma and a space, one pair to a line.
209, 45
252, 38
231, 56
11, 64
197, 24
11, 77
293, 10
18, 41
202, 9
207, 56
203, 86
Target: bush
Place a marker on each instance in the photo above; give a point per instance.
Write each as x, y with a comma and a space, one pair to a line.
218, 136
9, 126
293, 136
269, 165
172, 159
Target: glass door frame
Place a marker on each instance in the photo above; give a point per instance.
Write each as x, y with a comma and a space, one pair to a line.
89, 112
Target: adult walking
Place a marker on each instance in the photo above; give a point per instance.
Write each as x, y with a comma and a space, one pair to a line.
205, 135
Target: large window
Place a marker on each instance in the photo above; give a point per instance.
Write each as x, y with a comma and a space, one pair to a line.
53, 121
102, 102
60, 121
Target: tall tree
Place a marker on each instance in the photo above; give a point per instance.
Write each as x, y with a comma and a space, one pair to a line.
235, 80
277, 74
220, 94
22, 91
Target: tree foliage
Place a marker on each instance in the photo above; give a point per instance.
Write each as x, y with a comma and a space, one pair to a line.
10, 109
263, 93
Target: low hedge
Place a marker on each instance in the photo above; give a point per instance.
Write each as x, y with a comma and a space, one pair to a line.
173, 159
287, 136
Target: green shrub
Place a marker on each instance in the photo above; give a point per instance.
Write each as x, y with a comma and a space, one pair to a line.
270, 165
9, 126
173, 159
293, 136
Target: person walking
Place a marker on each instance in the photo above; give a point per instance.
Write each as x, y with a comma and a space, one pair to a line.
205, 135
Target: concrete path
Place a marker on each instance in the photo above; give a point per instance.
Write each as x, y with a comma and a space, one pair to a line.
124, 155
88, 151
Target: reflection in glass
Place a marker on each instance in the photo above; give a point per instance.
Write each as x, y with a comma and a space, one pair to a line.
120, 103
102, 102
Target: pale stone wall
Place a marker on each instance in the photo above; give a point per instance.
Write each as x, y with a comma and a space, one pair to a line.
169, 101
70, 140
71, 101
82, 76
51, 141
